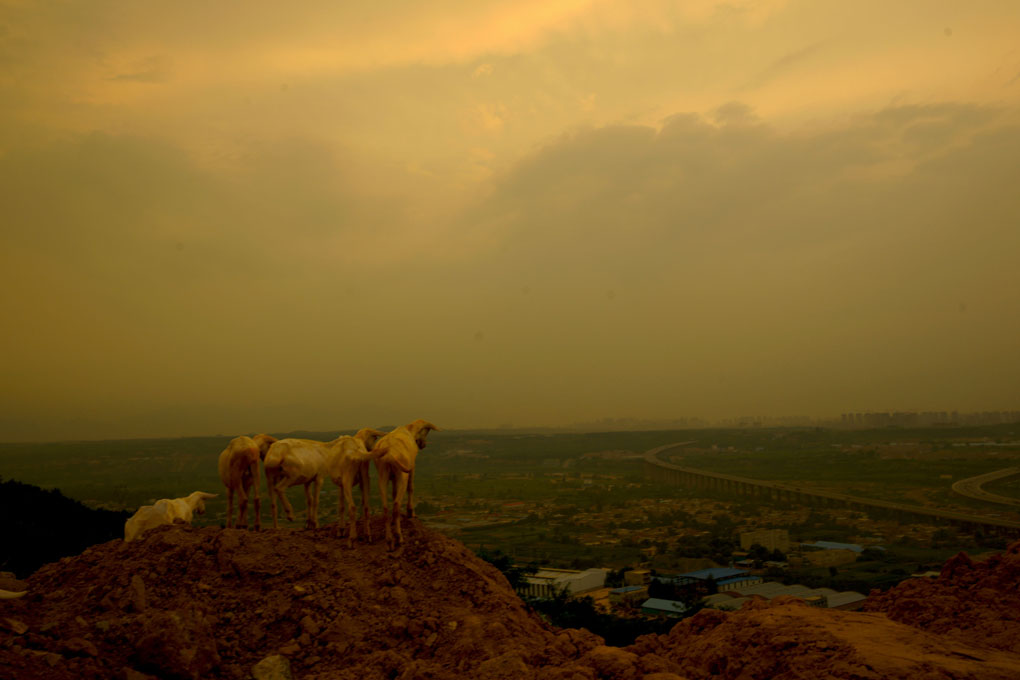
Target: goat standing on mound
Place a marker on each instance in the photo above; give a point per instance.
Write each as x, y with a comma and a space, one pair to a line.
165, 511
290, 462
395, 465
239, 472
347, 465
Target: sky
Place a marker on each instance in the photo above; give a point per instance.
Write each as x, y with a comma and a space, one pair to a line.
233, 217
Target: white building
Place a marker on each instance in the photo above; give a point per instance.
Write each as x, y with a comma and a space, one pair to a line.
548, 582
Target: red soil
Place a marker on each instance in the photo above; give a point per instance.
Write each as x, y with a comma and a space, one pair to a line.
977, 603
188, 602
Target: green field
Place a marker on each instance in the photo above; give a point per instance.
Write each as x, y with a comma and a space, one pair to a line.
519, 493
502, 466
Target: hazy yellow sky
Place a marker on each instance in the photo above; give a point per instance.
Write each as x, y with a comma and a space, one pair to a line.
238, 216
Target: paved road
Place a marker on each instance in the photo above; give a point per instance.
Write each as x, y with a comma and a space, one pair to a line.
652, 457
971, 487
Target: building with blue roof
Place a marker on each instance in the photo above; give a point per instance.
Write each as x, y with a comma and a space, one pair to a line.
724, 578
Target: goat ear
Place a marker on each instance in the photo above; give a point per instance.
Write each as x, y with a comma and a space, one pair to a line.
205, 496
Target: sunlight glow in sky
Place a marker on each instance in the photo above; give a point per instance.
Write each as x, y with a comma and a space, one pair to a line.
237, 217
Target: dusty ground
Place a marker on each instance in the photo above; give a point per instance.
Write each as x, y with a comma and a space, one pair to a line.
210, 603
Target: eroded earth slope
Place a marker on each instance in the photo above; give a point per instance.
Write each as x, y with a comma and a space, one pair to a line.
188, 602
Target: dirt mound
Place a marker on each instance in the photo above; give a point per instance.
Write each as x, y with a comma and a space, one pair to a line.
187, 602
975, 602
788, 639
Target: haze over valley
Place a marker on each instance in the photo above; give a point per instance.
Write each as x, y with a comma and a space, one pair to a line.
225, 220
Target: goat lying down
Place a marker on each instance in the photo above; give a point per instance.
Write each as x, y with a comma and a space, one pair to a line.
308, 462
165, 511
239, 472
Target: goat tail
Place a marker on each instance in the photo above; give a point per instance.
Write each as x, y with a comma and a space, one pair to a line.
274, 458
251, 455
400, 466
380, 454
11, 595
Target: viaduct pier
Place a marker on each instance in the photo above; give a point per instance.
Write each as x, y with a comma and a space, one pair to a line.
659, 470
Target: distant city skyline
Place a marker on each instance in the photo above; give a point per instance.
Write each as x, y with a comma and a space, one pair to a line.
861, 420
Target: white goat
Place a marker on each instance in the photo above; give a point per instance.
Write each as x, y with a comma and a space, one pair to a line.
165, 511
290, 462
307, 462
347, 464
396, 466
239, 471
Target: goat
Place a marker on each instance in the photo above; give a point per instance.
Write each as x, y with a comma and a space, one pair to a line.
239, 471
165, 511
290, 462
395, 465
347, 465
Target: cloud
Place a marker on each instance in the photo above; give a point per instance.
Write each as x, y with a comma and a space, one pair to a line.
734, 113
827, 263
140, 279
783, 65
153, 70
705, 266
584, 184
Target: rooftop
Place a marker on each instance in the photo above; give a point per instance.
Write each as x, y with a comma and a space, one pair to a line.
832, 545
670, 606
716, 573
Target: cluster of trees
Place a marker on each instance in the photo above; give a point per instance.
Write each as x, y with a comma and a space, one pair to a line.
718, 548
514, 574
688, 593
617, 631
41, 526
566, 612
761, 554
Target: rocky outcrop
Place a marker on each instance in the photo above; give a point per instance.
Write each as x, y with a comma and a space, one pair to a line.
977, 603
186, 602
792, 640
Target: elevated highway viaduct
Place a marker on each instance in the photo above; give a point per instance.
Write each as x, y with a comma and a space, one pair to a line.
972, 487
657, 469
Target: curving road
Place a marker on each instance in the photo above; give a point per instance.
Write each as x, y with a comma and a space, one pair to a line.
659, 470
971, 487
